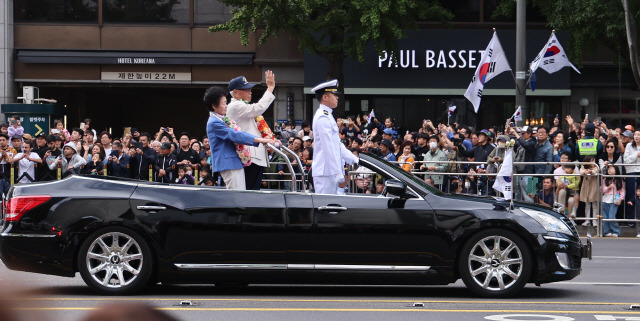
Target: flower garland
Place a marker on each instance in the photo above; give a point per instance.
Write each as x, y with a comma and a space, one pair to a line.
241, 150
264, 129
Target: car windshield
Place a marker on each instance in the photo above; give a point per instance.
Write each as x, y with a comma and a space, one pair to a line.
399, 172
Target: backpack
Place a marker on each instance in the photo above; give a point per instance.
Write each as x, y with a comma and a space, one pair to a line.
519, 157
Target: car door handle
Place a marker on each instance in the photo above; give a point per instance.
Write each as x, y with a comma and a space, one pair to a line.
332, 209
150, 208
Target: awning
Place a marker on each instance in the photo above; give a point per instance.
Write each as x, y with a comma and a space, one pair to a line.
117, 57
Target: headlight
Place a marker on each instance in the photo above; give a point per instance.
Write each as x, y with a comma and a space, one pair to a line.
549, 222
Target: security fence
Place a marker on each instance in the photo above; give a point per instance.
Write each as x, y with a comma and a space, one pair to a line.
451, 177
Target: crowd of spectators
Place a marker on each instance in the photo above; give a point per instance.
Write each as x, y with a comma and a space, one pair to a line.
429, 150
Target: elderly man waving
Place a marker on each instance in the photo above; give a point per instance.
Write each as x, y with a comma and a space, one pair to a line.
244, 114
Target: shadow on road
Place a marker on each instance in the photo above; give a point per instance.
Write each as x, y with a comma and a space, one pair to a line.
334, 292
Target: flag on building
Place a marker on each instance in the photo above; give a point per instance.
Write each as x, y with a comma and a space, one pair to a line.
452, 109
492, 63
517, 116
552, 57
503, 183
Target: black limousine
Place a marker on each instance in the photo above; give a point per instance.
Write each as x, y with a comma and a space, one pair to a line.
122, 235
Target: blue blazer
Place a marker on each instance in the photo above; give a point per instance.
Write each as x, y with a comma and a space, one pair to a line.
223, 149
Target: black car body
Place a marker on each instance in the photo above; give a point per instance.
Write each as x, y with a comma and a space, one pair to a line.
122, 234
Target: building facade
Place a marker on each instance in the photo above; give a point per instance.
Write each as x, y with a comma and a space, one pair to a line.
148, 67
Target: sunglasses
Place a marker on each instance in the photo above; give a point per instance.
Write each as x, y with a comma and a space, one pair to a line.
611, 147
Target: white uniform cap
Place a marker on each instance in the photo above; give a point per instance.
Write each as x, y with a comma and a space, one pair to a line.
330, 86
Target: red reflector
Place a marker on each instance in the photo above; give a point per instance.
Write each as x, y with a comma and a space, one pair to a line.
17, 206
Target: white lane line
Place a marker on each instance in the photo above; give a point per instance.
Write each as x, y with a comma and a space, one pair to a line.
600, 283
618, 257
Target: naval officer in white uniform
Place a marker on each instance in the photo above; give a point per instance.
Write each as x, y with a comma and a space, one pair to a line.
329, 154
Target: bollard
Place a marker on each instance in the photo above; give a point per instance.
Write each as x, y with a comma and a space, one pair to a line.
13, 175
150, 173
195, 174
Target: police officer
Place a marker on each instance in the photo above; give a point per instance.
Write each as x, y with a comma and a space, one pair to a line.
589, 145
329, 154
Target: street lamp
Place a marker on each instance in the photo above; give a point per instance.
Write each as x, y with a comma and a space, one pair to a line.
584, 102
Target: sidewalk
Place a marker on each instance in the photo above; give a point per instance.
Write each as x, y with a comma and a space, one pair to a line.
625, 231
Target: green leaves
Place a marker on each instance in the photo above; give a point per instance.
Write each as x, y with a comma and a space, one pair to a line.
331, 28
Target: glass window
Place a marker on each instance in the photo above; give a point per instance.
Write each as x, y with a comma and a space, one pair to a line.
619, 112
55, 10
161, 11
211, 12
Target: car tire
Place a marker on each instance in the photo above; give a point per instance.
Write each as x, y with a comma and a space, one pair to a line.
115, 261
495, 263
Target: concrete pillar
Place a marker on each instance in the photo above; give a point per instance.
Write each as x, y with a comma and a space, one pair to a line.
7, 84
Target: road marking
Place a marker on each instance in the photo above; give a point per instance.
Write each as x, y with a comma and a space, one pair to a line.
618, 257
600, 283
333, 300
339, 310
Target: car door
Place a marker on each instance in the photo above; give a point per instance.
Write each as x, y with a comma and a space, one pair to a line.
211, 228
365, 230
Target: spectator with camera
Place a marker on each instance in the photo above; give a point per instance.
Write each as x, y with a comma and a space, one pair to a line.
26, 160
69, 161
6, 153
144, 157
118, 161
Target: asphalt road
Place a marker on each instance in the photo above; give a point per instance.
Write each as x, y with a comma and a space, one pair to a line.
605, 290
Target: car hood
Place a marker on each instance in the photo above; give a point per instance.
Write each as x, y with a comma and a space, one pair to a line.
495, 201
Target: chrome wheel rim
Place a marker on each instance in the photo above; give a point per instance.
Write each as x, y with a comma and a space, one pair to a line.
495, 263
114, 260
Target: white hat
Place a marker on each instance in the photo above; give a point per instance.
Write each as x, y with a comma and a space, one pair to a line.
330, 86
306, 138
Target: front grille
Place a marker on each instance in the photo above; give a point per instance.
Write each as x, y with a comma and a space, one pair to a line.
571, 225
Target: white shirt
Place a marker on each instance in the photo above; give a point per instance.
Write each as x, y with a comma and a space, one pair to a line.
25, 165
329, 154
245, 117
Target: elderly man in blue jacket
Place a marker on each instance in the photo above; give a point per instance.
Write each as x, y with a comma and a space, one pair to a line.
222, 140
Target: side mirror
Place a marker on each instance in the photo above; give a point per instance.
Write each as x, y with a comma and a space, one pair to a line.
395, 187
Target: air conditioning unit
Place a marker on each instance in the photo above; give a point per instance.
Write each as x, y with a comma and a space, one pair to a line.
29, 94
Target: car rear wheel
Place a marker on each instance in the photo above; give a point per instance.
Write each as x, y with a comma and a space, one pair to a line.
115, 260
495, 263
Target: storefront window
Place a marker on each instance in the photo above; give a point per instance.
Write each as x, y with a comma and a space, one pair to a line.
55, 11
615, 112
211, 12
146, 11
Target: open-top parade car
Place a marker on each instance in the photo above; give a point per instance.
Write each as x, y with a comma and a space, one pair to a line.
122, 235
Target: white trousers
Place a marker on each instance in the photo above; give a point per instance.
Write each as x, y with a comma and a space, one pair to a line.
234, 179
325, 184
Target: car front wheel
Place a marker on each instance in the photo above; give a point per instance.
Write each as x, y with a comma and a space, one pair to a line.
495, 263
115, 261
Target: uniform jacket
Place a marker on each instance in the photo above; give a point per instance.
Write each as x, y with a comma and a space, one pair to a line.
244, 115
141, 163
222, 141
328, 152
166, 162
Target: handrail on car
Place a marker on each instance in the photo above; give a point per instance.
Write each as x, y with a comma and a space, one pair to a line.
293, 173
299, 161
